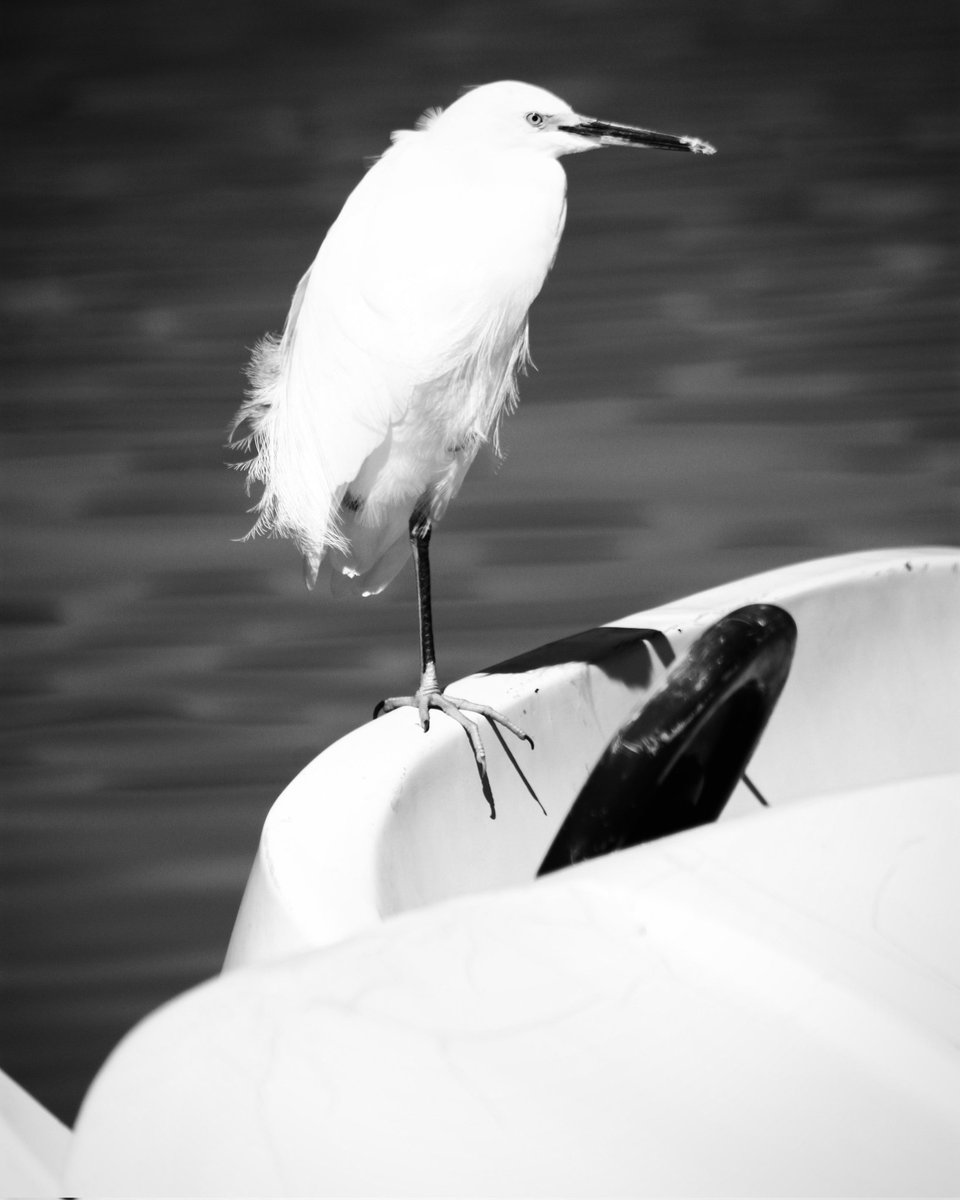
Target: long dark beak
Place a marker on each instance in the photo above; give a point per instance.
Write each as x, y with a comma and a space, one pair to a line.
605, 133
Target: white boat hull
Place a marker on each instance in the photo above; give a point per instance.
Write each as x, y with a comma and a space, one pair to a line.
762, 1006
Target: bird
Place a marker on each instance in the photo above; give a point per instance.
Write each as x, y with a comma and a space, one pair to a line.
403, 343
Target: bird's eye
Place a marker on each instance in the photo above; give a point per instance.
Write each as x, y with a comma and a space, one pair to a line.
534, 119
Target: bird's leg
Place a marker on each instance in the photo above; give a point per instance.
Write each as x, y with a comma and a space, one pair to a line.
429, 694
421, 527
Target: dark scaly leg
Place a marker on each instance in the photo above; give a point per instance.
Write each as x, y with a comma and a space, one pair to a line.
429, 694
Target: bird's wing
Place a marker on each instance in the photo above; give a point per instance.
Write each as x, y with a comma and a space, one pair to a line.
425, 272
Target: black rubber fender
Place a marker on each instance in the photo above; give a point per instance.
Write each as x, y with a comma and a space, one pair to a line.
676, 761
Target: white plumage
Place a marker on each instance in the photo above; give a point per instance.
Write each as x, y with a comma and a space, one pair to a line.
404, 339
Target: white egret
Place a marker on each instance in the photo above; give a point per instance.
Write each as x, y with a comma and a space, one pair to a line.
403, 342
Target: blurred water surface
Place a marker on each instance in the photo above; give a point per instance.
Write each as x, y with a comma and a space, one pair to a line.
743, 361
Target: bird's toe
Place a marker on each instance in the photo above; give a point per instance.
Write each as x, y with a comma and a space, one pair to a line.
492, 714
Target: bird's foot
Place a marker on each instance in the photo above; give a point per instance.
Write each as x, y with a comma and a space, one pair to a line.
454, 707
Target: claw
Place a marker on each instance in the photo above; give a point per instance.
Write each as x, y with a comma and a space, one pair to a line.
454, 707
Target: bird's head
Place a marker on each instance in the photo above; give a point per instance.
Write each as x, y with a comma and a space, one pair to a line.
510, 115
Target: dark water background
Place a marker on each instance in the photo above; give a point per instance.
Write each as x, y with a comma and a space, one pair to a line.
743, 361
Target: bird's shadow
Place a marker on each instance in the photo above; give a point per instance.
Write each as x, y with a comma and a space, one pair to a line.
485, 778
621, 653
